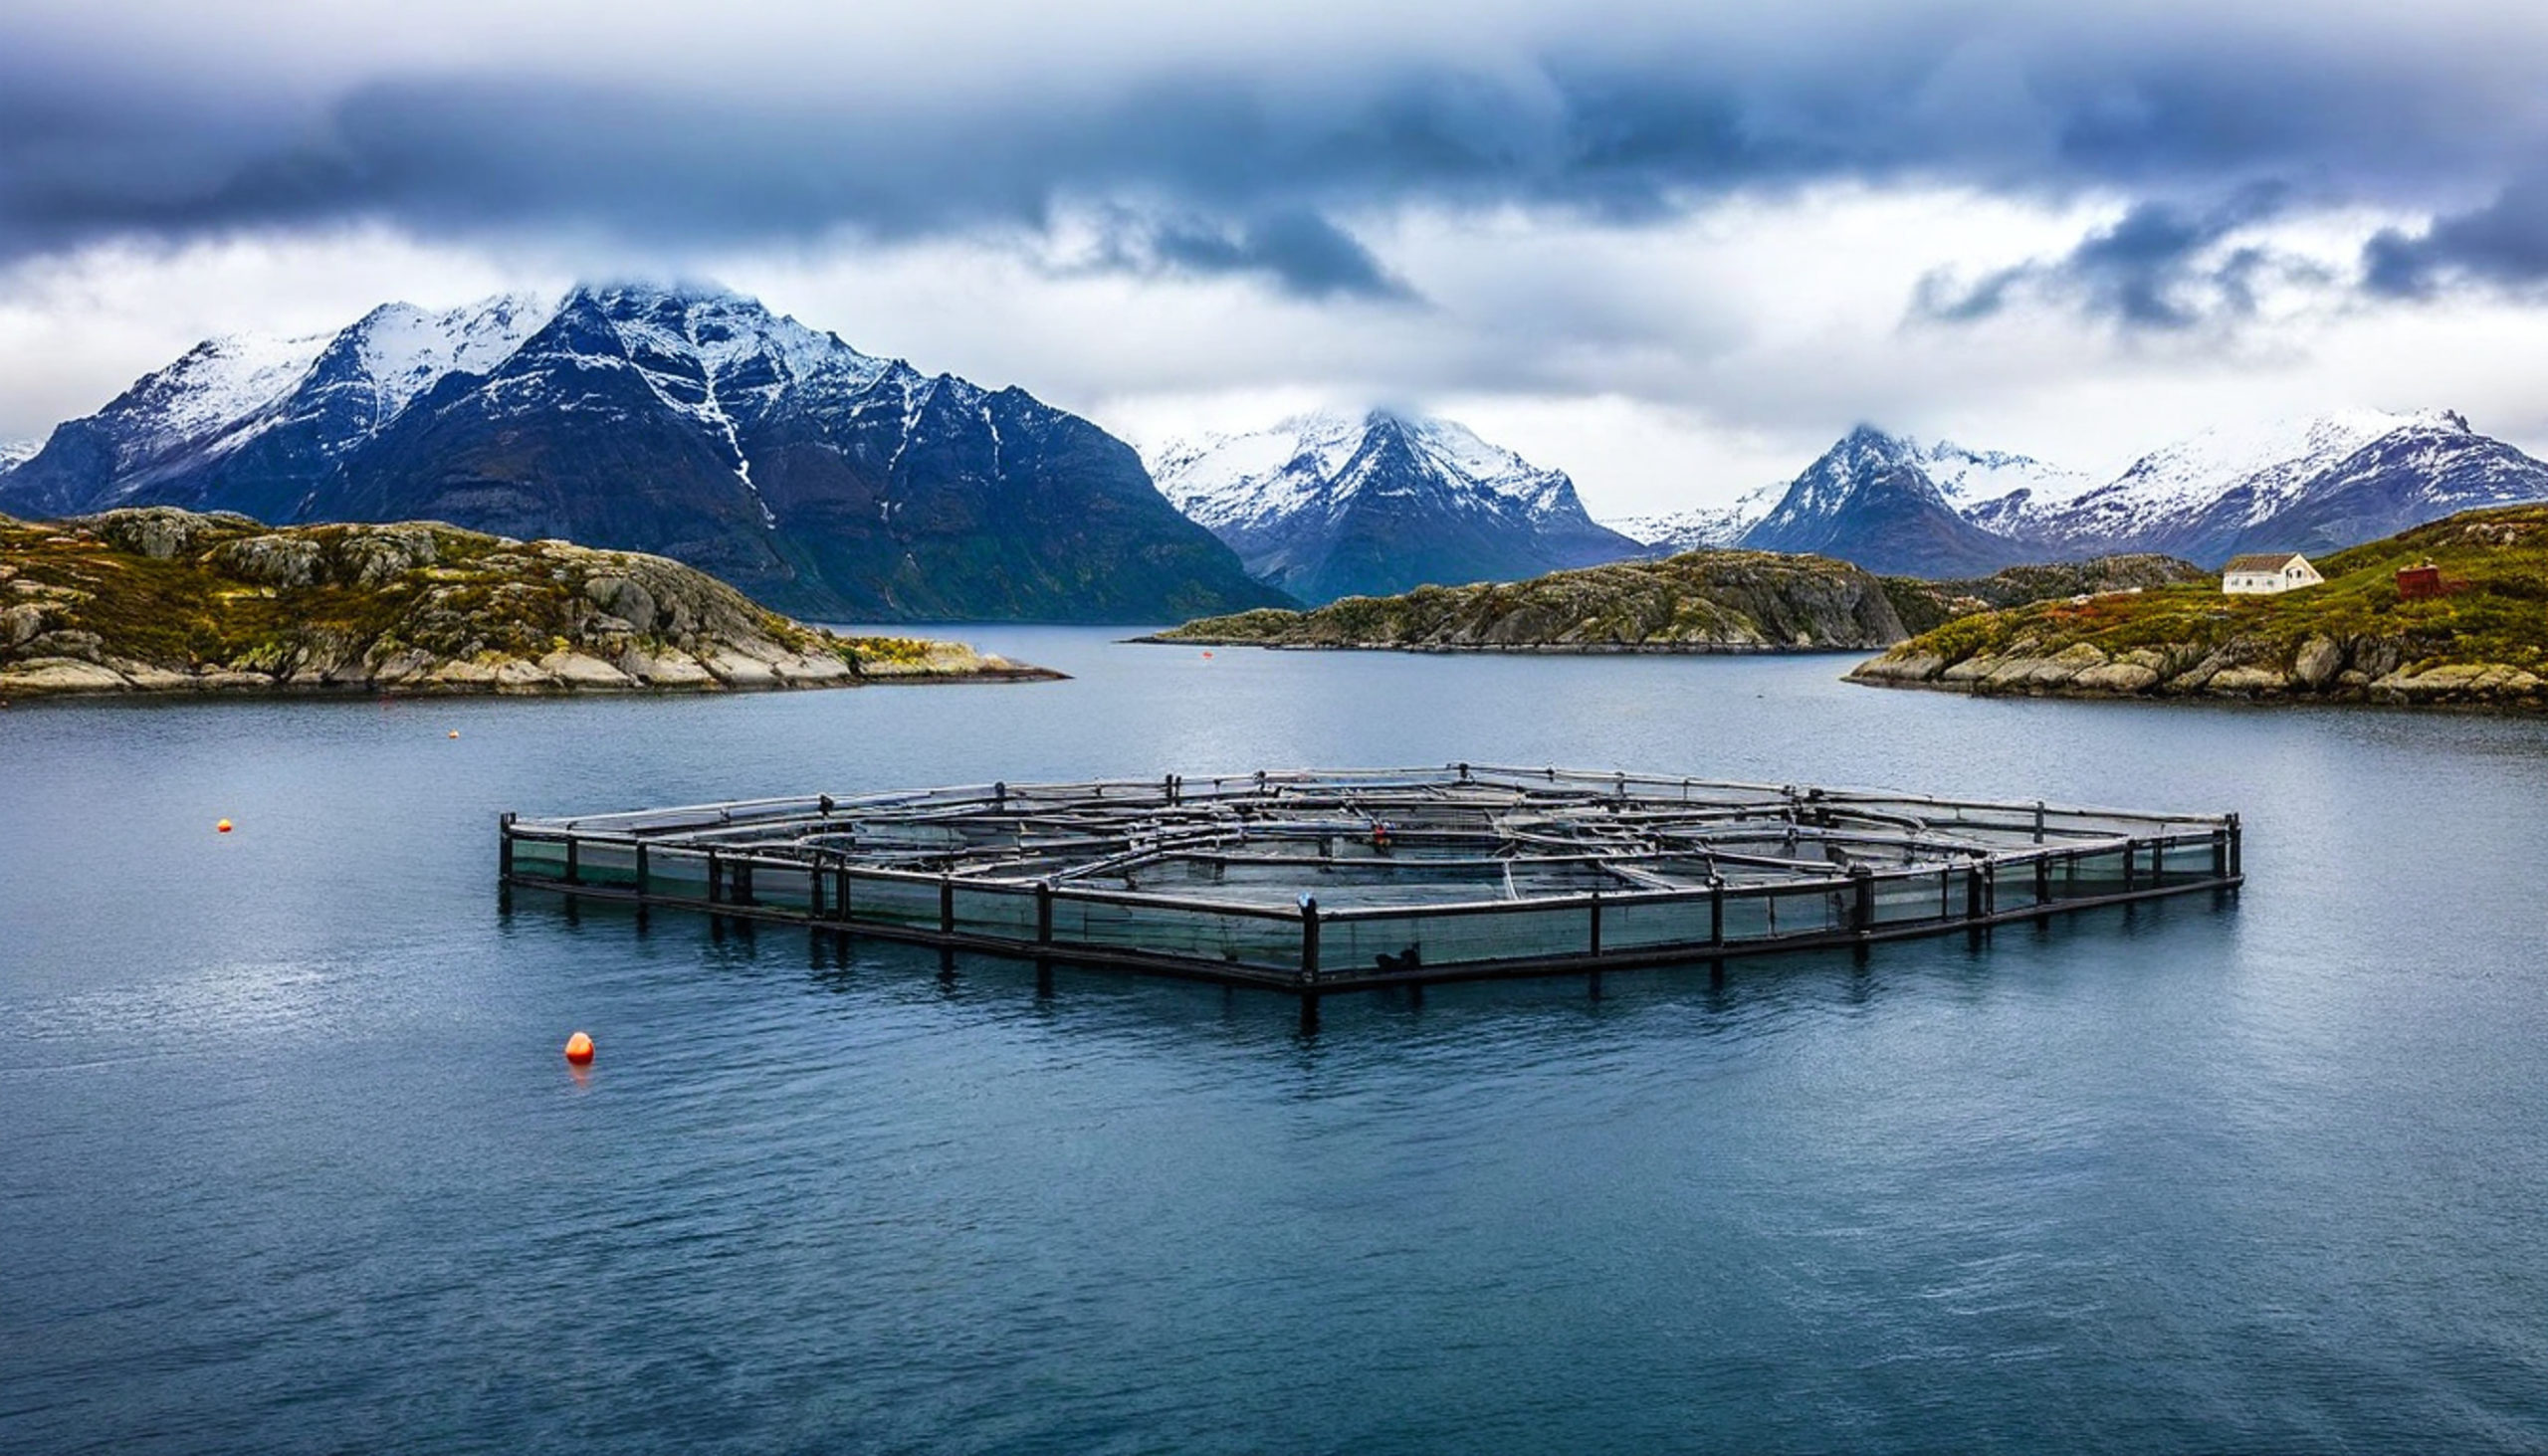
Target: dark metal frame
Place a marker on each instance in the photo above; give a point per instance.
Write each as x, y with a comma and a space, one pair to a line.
902, 866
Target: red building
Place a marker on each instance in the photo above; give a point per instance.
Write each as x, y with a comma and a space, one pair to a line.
2414, 583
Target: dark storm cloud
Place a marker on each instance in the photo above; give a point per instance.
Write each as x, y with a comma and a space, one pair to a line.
1305, 253
2505, 243
1248, 158
2160, 266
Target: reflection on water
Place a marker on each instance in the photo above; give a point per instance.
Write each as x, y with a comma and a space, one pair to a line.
294, 1160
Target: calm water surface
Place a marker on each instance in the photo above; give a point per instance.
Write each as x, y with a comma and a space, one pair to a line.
289, 1160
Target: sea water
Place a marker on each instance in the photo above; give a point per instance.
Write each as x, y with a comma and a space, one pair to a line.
289, 1159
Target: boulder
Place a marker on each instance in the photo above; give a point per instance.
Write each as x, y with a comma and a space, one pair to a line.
21, 624
575, 671
60, 675
1973, 668
813, 670
271, 561
461, 673
2317, 662
1913, 668
738, 670
514, 675
624, 599
378, 554
2118, 677
161, 532
665, 670
2245, 682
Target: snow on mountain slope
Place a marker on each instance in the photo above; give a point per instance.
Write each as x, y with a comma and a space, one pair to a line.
690, 422
2267, 465
14, 452
725, 361
1542, 494
1988, 484
1870, 499
1701, 527
1259, 478
215, 390
1330, 503
403, 350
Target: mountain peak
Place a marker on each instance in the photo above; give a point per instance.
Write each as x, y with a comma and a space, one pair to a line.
1333, 503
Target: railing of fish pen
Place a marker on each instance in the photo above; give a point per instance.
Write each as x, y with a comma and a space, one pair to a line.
1314, 950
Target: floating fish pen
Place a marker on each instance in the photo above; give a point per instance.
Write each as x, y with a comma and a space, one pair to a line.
1317, 880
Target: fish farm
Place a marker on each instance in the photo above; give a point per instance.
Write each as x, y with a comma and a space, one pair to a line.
1320, 880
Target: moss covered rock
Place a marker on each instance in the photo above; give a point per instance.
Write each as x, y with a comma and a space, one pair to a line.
2353, 638
159, 599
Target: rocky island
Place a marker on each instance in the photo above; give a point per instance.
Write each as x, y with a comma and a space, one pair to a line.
2479, 640
1697, 601
162, 600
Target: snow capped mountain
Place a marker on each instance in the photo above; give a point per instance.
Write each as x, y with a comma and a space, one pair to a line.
1994, 489
1871, 499
274, 410
15, 453
1701, 527
1892, 504
400, 351
1330, 505
690, 422
2266, 466
2310, 485
1320, 458
2431, 466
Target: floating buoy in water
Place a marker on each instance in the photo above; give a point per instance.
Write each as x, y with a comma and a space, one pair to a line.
1207, 651
455, 733
221, 828
580, 1049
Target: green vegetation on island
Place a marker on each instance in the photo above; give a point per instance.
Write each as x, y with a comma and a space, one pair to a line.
1698, 601
1924, 605
158, 599
2482, 641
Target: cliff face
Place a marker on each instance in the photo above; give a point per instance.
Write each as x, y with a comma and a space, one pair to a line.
1700, 601
2484, 643
162, 599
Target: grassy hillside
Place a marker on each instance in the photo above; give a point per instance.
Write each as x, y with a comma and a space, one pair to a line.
161, 599
1698, 601
1924, 605
2350, 639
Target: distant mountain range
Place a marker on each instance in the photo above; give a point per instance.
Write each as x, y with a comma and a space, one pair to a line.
1326, 505
832, 484
691, 423
1896, 505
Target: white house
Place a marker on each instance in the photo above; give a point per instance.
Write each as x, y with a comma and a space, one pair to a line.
2268, 571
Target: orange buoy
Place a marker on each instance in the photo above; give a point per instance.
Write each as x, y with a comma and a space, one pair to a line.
455, 733
221, 828
1207, 651
580, 1049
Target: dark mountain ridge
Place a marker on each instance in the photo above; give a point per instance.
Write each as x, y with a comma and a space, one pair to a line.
692, 424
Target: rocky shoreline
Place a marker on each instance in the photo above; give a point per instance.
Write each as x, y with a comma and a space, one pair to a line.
2323, 669
170, 603
2474, 635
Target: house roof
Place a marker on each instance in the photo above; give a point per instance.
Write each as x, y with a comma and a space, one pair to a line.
2264, 561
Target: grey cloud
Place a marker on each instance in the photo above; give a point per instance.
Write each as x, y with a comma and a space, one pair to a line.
1302, 251
2504, 244
2155, 268
1249, 155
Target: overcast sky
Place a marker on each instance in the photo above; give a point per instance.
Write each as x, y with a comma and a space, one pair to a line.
1674, 250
